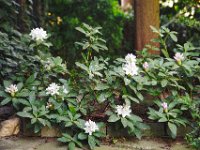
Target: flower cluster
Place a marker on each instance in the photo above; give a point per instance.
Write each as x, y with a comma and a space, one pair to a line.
130, 67
123, 110
52, 89
90, 127
12, 89
179, 57
38, 34
168, 3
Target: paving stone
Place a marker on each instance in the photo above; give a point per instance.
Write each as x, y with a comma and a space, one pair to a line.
27, 143
10, 127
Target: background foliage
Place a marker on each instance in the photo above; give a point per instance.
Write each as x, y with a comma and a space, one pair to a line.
64, 15
95, 80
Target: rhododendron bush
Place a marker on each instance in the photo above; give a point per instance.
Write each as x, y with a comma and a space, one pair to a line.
102, 92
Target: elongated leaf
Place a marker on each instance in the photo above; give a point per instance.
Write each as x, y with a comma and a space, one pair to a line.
7, 83
124, 122
82, 136
71, 146
173, 129
5, 101
25, 114
82, 66
91, 142
113, 118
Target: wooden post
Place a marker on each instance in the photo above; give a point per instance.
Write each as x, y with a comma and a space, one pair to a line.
146, 15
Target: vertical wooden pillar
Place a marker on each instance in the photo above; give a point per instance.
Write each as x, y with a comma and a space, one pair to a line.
146, 15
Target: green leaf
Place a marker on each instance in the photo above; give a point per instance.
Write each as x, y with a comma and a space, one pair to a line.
37, 128
3, 94
101, 86
80, 30
82, 136
63, 140
31, 79
137, 133
68, 124
33, 120
82, 66
42, 121
71, 146
124, 122
135, 118
23, 93
113, 118
139, 95
127, 81
174, 38
5, 101
101, 98
164, 83
163, 119
25, 114
173, 129
19, 86
32, 97
7, 83
129, 97
23, 101
91, 142
98, 134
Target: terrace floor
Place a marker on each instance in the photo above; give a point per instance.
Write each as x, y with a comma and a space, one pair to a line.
33, 143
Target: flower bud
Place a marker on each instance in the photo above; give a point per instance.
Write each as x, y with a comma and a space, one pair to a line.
165, 107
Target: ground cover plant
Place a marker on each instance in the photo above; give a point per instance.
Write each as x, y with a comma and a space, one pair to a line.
101, 92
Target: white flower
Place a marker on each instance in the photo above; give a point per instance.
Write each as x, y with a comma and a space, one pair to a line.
179, 57
12, 89
38, 34
65, 90
145, 65
123, 110
49, 105
90, 127
168, 3
130, 69
130, 58
52, 89
187, 14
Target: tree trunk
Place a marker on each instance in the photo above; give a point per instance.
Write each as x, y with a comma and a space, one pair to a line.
39, 12
21, 22
146, 15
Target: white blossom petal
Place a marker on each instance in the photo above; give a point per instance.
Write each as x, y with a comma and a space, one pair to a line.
38, 34
52, 89
90, 127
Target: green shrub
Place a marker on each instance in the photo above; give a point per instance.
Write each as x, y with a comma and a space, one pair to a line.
101, 89
65, 15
